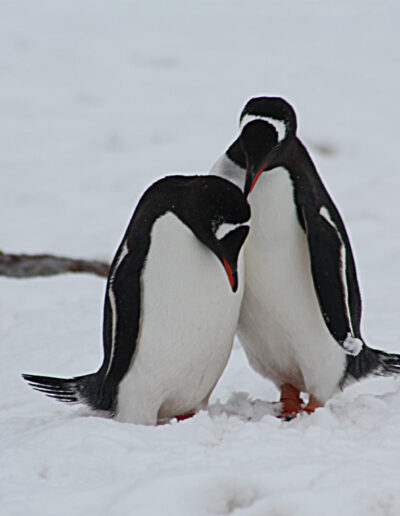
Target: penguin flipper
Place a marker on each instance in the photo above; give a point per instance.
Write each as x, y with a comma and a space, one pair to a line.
121, 315
334, 276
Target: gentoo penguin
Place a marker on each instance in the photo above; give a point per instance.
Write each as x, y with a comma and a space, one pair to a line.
300, 317
170, 313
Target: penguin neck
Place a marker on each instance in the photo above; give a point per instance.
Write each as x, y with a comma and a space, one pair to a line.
236, 155
303, 174
298, 162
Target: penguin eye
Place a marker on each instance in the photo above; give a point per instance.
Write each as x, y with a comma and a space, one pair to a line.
225, 228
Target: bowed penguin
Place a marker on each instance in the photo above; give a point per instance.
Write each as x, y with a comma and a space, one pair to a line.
170, 311
300, 318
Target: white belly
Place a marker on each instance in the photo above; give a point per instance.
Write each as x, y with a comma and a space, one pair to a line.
281, 327
189, 318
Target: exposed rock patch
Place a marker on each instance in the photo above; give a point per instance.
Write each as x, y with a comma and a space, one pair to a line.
28, 266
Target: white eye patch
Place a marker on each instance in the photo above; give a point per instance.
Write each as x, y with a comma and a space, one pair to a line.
279, 125
226, 228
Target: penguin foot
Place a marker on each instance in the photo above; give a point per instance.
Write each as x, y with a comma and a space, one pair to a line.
291, 402
312, 404
182, 417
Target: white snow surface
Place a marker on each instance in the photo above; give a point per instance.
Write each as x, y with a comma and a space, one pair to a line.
97, 100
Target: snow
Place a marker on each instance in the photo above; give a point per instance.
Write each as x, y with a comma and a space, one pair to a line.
97, 100
352, 345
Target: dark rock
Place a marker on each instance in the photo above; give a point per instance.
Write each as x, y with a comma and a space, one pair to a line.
28, 266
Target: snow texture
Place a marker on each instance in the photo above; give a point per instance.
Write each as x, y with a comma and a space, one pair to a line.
352, 345
97, 100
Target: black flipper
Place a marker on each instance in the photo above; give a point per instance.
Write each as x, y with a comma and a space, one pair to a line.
122, 311
120, 329
334, 276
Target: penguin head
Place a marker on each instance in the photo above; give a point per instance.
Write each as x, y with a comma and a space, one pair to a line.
218, 214
267, 125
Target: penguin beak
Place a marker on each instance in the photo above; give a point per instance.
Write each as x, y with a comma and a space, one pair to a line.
253, 172
231, 245
258, 141
232, 275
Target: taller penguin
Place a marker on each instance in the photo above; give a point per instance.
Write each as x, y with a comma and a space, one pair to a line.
301, 310
171, 311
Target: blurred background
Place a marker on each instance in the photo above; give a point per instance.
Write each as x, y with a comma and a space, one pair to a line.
98, 99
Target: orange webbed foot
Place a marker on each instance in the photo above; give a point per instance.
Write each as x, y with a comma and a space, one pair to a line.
291, 402
312, 404
182, 417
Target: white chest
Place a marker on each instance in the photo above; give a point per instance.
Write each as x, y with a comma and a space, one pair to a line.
189, 317
281, 327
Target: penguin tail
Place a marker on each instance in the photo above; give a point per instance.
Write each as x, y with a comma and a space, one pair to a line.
61, 389
389, 363
371, 362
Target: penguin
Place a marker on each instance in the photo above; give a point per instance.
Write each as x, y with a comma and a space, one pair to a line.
170, 310
300, 317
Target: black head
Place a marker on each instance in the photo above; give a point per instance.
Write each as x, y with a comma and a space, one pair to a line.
218, 214
273, 110
267, 125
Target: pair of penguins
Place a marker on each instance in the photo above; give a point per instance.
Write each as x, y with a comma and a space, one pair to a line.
290, 290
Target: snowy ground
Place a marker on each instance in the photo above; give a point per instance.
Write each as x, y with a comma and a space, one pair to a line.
98, 99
